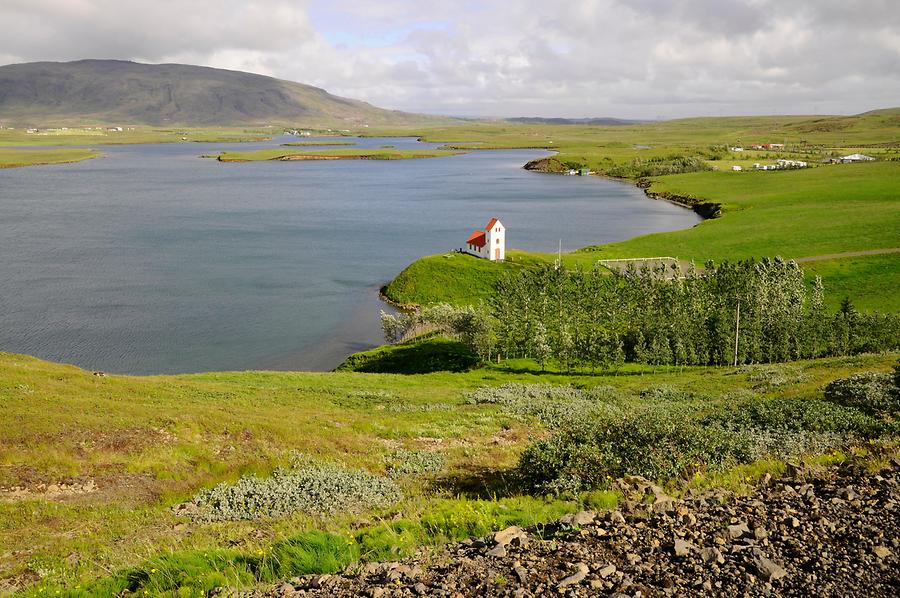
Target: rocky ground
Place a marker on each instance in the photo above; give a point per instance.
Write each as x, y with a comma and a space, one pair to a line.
828, 532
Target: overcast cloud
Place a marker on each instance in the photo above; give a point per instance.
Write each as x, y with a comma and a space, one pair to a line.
623, 58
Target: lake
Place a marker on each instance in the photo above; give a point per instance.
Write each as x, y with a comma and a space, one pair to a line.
152, 260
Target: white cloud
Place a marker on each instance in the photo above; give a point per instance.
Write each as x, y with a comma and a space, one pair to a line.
637, 58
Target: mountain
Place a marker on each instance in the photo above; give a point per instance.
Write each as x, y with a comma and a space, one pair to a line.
536, 120
119, 91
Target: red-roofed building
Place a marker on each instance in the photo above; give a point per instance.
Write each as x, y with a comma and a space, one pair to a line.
489, 243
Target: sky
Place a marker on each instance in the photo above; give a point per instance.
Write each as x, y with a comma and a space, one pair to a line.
642, 59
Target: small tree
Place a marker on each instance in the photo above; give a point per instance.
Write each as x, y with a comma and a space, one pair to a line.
542, 350
394, 326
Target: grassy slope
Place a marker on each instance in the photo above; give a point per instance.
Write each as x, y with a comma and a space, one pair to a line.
871, 281
341, 154
151, 442
12, 158
456, 278
796, 213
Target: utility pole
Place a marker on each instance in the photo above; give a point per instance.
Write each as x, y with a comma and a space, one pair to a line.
737, 330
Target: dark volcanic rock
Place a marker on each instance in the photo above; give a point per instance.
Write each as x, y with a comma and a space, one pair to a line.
832, 532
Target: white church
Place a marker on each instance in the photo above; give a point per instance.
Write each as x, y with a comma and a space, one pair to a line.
489, 243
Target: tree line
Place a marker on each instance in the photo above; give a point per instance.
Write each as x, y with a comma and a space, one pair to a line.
753, 311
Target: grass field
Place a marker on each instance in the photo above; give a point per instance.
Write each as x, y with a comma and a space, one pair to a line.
148, 443
13, 158
336, 154
792, 213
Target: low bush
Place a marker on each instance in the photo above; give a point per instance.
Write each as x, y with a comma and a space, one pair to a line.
554, 406
870, 392
403, 462
797, 414
774, 376
419, 356
676, 439
320, 489
656, 443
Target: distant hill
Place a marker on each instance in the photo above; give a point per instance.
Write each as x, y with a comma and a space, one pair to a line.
118, 91
536, 120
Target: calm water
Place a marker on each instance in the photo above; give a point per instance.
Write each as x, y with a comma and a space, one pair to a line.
150, 260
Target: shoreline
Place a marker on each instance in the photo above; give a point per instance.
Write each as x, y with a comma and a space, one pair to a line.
704, 208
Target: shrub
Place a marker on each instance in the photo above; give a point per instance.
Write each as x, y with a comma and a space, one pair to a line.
320, 489
657, 443
773, 376
404, 462
869, 392
672, 439
554, 406
797, 414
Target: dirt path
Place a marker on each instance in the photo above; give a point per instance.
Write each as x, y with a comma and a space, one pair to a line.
836, 256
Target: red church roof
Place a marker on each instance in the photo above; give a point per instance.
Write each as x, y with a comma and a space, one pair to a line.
477, 239
491, 224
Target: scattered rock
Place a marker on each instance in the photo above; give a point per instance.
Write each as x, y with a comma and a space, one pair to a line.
738, 530
710, 543
882, 552
506, 536
580, 518
606, 571
767, 569
581, 572
683, 547
710, 555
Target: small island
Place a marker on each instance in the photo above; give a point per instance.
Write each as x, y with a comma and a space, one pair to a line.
316, 143
14, 158
337, 154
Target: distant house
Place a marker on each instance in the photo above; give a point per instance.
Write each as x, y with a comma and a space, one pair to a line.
489, 243
736, 148
736, 168
776, 146
782, 163
756, 147
857, 158
114, 129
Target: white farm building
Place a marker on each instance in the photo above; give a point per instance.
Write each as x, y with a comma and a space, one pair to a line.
489, 243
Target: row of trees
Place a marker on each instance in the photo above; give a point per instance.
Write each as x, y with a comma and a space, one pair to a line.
744, 312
